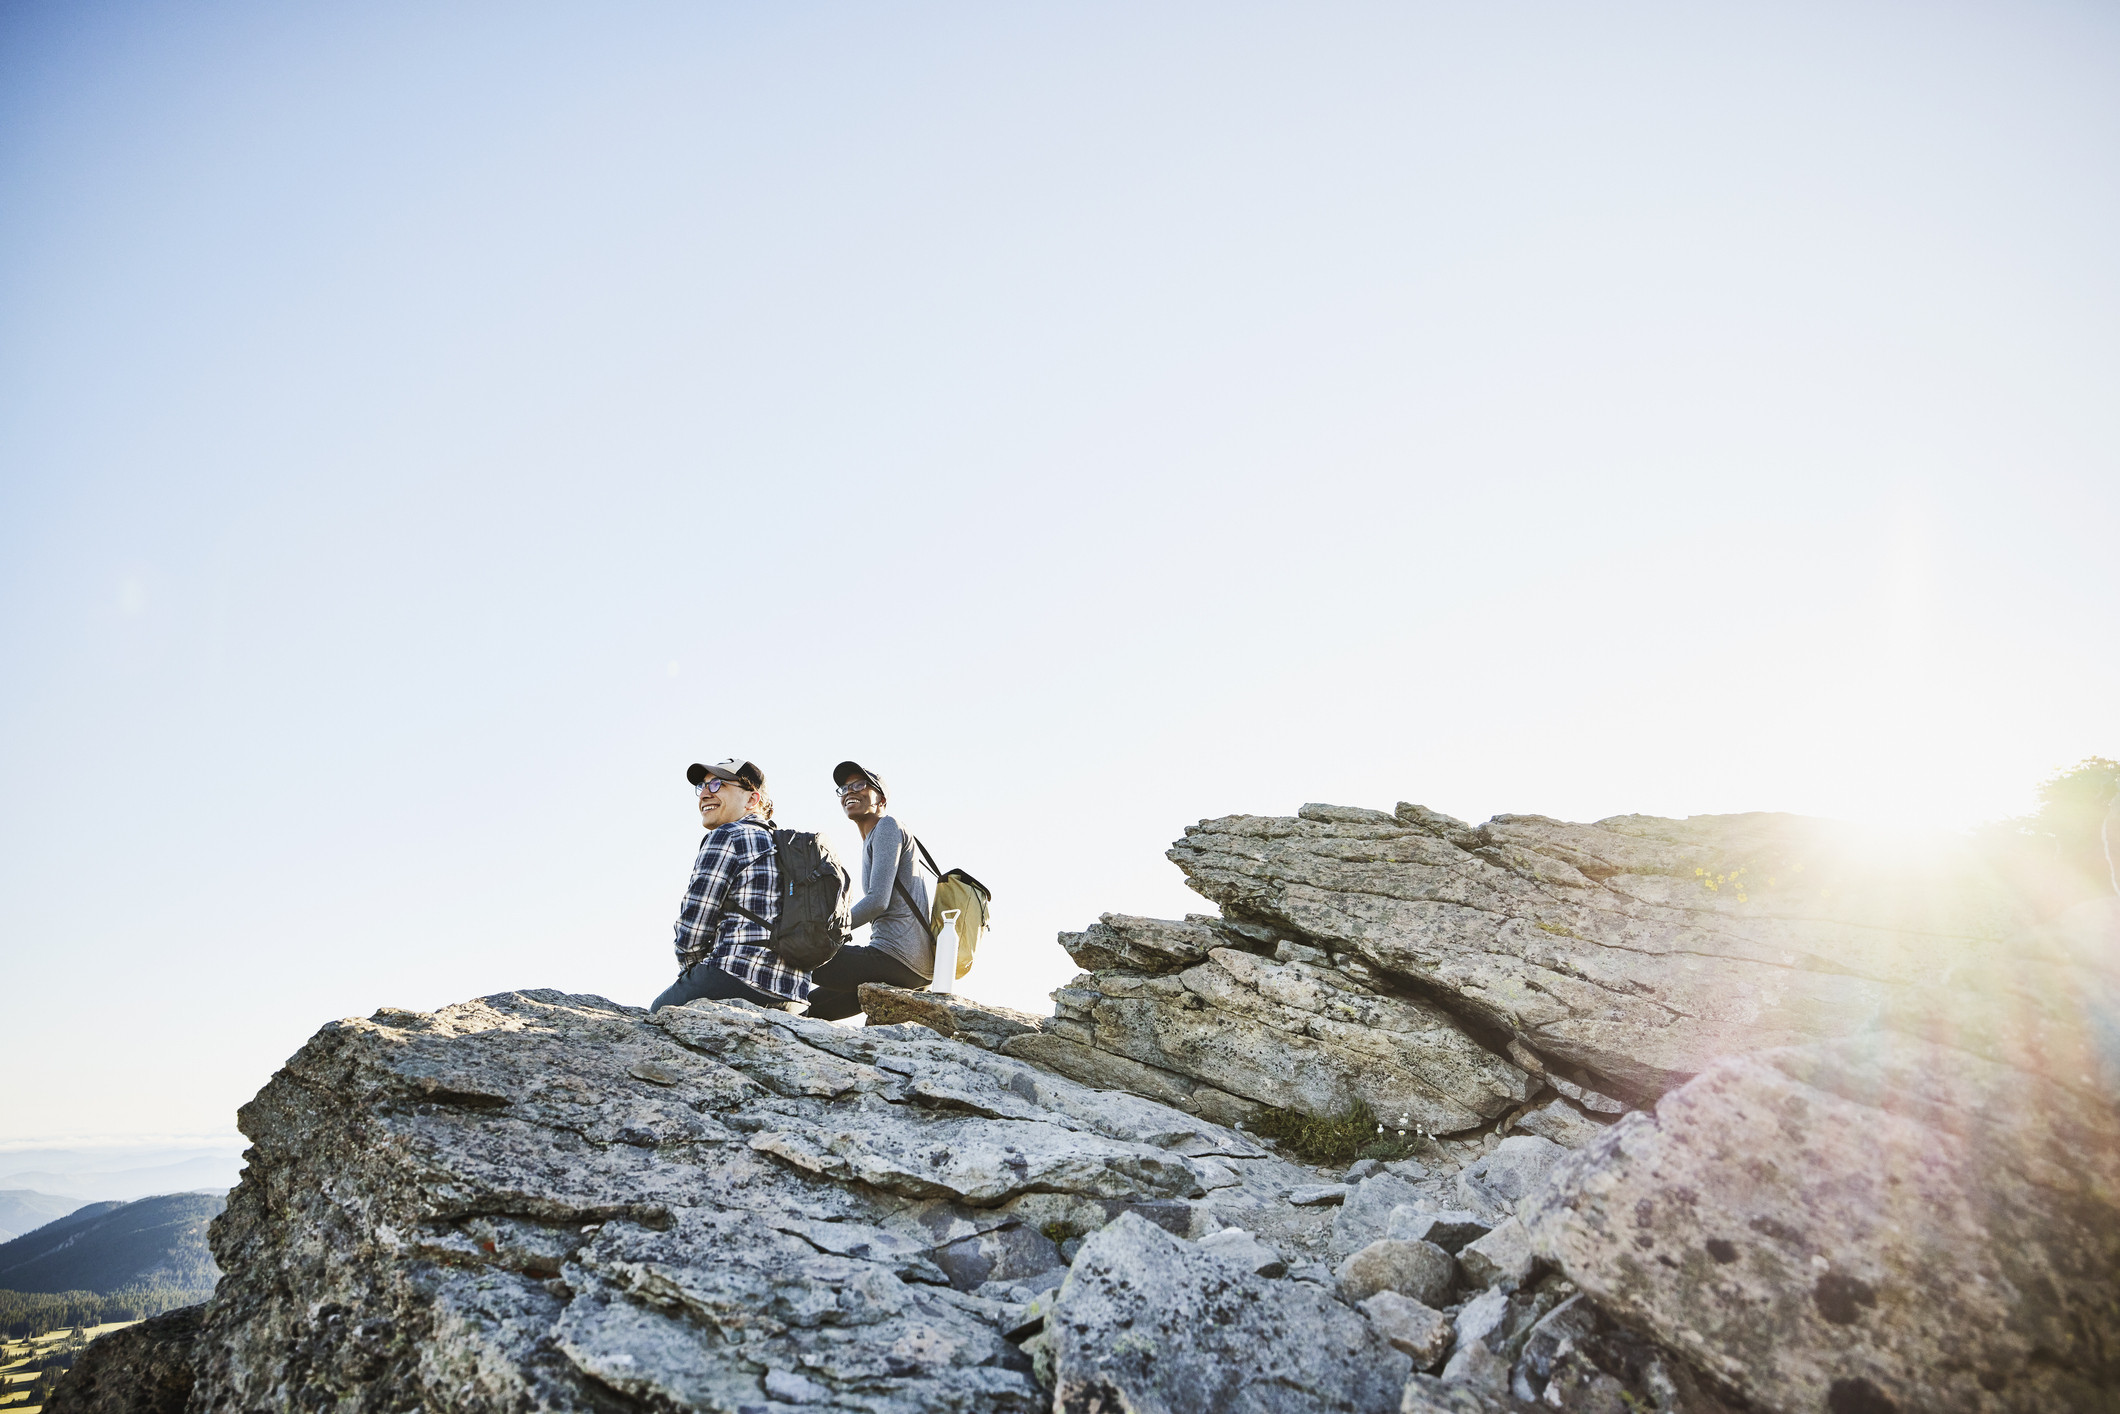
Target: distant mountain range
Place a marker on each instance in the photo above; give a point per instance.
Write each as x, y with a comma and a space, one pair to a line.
22, 1209
122, 1172
106, 1247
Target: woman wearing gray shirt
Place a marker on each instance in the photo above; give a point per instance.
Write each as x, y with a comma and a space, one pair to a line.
893, 902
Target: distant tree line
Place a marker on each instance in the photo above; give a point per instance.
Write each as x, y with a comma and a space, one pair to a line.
32, 1313
2066, 832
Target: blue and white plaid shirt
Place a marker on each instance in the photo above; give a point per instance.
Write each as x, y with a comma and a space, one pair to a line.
736, 865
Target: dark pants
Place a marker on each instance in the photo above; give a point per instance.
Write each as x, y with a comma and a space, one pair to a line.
704, 979
837, 980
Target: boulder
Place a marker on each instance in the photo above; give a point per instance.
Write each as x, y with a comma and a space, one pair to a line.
1449, 1230
1492, 1332
1884, 1222
1009, 1253
1146, 1322
1637, 949
535, 1200
1151, 945
1472, 1363
142, 1369
1366, 1213
1243, 1249
1560, 1333
1420, 1331
1427, 1394
1516, 1169
1022, 1289
1579, 1385
1569, 1358
1502, 1257
1420, 1270
1481, 1317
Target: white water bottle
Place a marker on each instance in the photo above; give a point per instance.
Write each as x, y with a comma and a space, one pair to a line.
946, 954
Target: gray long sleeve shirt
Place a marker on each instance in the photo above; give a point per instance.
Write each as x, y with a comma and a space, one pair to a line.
887, 858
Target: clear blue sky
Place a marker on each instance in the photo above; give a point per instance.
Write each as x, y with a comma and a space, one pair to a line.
425, 429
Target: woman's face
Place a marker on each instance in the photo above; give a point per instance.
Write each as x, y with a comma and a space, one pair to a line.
862, 803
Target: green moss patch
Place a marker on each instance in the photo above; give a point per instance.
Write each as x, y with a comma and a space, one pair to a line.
1330, 1142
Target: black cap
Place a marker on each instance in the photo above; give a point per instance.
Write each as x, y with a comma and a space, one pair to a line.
847, 770
735, 769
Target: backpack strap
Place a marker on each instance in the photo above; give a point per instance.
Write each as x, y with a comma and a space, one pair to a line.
907, 894
728, 904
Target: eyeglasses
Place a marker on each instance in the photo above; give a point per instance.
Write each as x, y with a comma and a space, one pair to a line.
854, 786
711, 785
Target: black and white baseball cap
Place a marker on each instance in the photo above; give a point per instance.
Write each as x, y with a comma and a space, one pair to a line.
736, 769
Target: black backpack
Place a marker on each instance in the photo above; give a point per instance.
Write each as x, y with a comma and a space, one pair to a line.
814, 919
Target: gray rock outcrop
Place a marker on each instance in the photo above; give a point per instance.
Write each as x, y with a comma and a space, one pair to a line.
143, 1369
1878, 1171
1526, 975
1293, 1035
1636, 950
1146, 1322
1918, 1218
542, 1201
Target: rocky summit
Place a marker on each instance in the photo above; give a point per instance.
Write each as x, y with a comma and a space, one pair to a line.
1743, 1113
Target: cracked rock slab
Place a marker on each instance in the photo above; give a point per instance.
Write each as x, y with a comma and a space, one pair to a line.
550, 1202
1102, 1070
1637, 949
1298, 1036
1150, 945
1879, 1223
1146, 1322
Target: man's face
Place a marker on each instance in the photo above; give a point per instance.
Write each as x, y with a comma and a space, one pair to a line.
721, 802
858, 798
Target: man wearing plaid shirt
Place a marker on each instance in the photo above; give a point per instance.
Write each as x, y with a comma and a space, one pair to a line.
725, 923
